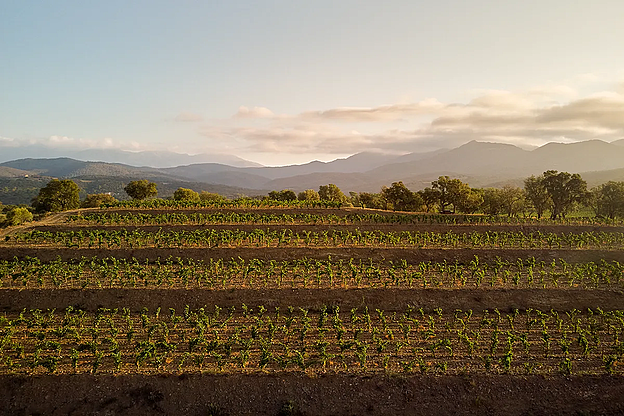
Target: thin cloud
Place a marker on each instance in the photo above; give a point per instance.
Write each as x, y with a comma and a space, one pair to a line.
188, 117
529, 118
606, 111
255, 112
73, 143
381, 113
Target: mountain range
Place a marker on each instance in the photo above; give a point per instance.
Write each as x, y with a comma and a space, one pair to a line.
157, 159
477, 163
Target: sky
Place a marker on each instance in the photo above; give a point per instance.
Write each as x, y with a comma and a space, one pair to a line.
284, 82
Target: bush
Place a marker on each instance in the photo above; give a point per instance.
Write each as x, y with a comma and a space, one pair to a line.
308, 195
210, 196
18, 216
95, 200
285, 195
184, 194
57, 196
141, 189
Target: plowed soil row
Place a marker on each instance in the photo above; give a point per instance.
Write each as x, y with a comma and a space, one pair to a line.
327, 395
270, 211
438, 228
12, 300
412, 256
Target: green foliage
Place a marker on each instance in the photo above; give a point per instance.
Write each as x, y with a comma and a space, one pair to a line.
57, 195
185, 194
508, 200
308, 195
15, 191
368, 200
210, 196
96, 200
332, 193
18, 216
470, 202
453, 192
359, 342
492, 201
430, 197
609, 199
401, 198
284, 195
141, 189
564, 190
536, 193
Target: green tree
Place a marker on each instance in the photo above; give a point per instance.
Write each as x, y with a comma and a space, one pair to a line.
401, 198
513, 200
211, 196
332, 193
283, 195
469, 202
57, 195
18, 216
609, 199
492, 201
185, 194
367, 200
96, 200
430, 197
537, 194
308, 195
564, 189
141, 189
452, 192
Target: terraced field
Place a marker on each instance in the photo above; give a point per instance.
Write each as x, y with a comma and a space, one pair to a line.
313, 309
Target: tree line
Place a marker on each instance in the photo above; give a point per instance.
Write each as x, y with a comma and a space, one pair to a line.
554, 193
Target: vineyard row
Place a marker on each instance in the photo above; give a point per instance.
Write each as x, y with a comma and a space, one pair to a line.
307, 273
224, 217
335, 238
257, 339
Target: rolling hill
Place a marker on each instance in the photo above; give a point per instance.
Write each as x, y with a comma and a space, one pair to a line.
478, 163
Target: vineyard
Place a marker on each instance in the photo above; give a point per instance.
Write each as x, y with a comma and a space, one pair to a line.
151, 300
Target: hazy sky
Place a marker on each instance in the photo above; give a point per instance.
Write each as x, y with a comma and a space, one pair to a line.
283, 82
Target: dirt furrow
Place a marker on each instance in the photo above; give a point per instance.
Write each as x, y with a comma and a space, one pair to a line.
385, 299
296, 393
411, 255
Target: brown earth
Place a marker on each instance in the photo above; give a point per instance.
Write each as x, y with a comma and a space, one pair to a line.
411, 255
267, 394
299, 228
299, 394
12, 300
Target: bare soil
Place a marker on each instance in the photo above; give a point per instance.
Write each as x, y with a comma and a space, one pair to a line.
299, 394
411, 255
299, 228
12, 300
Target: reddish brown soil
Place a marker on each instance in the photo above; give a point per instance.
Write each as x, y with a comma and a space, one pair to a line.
326, 395
357, 394
385, 299
279, 211
439, 228
288, 253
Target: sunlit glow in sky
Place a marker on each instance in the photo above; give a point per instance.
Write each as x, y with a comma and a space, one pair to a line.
283, 82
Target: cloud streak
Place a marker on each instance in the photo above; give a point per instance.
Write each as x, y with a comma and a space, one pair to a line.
532, 117
255, 112
188, 117
72, 143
